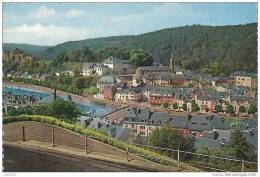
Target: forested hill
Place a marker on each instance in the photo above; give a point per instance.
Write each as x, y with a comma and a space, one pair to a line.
223, 48
35, 50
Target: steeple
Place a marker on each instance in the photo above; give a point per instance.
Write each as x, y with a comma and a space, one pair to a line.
172, 63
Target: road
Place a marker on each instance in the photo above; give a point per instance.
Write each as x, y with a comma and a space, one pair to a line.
21, 160
119, 115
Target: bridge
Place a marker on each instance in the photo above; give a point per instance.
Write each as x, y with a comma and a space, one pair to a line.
118, 114
53, 145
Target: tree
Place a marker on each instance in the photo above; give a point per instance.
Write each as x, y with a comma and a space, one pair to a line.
165, 105
230, 109
175, 106
242, 109
218, 108
167, 137
63, 109
239, 147
140, 139
92, 90
79, 82
195, 107
252, 109
184, 106
139, 57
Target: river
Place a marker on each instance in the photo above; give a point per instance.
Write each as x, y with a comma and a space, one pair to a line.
97, 110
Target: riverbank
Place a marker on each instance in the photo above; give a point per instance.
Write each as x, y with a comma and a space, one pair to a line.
76, 98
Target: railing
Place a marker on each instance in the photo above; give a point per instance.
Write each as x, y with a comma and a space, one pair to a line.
204, 161
177, 157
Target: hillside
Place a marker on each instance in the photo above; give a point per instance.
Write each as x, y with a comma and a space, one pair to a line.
35, 50
204, 48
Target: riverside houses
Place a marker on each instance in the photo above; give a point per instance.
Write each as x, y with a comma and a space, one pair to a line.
161, 95
107, 87
128, 95
143, 121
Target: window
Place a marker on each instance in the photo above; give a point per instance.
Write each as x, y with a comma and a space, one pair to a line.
142, 133
158, 122
142, 127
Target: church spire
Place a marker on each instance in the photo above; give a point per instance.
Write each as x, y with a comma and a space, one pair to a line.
172, 63
172, 54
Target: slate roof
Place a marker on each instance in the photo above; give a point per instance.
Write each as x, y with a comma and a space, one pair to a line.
221, 135
114, 131
115, 60
251, 136
205, 142
108, 79
199, 123
129, 90
244, 74
195, 123
179, 121
155, 68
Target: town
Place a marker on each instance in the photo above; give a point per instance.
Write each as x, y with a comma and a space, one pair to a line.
198, 104
130, 87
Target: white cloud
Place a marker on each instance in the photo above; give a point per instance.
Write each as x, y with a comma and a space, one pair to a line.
72, 13
44, 35
45, 14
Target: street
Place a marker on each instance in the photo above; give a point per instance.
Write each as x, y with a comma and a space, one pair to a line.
20, 160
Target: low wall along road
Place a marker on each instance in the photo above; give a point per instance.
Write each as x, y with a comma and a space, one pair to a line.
50, 139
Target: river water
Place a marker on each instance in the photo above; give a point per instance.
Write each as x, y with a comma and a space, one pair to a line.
96, 109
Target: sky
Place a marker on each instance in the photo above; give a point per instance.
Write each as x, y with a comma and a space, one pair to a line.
54, 23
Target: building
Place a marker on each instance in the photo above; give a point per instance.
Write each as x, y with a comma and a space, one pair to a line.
158, 96
238, 100
106, 82
146, 71
176, 81
245, 79
19, 55
128, 95
143, 121
118, 66
99, 69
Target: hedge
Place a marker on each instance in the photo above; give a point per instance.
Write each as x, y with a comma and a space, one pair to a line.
147, 154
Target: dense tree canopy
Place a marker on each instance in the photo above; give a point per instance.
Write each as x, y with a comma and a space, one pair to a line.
168, 137
63, 109
214, 50
139, 57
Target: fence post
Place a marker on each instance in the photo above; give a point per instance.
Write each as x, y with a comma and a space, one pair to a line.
178, 158
23, 134
127, 154
52, 137
242, 166
86, 144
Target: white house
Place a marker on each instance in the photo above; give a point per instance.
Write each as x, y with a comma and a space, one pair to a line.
119, 66
94, 69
